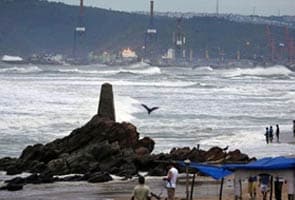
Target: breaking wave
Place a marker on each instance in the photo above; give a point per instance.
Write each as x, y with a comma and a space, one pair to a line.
277, 70
145, 71
21, 70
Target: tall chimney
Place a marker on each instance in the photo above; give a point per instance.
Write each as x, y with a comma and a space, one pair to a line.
152, 9
81, 7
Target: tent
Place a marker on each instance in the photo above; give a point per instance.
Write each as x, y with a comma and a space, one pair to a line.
276, 167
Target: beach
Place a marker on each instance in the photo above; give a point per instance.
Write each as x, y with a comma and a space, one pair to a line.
205, 189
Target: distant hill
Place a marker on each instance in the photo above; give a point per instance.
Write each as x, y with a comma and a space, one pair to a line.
33, 26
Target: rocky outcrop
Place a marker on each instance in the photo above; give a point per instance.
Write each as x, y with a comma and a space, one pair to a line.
99, 148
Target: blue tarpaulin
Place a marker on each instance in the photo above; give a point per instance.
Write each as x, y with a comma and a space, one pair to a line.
215, 172
218, 172
269, 163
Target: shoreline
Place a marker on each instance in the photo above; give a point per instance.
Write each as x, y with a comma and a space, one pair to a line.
205, 188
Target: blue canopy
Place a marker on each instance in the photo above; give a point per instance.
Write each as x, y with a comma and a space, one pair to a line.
218, 172
209, 170
277, 163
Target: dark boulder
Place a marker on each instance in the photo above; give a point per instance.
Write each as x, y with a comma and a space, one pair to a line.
237, 156
99, 177
147, 143
12, 187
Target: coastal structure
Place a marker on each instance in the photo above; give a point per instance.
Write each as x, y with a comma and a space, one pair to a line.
150, 38
106, 107
179, 41
79, 30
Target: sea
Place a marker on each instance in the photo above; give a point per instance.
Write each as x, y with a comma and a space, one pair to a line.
197, 106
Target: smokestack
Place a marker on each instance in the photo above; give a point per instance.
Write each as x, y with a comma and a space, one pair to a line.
81, 7
217, 7
152, 8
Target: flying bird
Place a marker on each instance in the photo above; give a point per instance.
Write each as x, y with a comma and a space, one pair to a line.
149, 110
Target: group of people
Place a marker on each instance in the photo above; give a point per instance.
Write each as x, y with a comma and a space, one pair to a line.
269, 134
265, 184
143, 192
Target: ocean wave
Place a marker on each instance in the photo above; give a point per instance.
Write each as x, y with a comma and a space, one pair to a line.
143, 71
277, 70
21, 70
177, 84
203, 68
251, 143
125, 108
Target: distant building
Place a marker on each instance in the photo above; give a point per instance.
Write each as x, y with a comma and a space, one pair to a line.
129, 54
170, 54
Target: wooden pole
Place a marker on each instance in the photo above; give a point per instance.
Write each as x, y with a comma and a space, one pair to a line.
187, 164
193, 185
187, 192
221, 188
271, 187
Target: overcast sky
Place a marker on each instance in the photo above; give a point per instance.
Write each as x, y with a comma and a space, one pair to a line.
246, 7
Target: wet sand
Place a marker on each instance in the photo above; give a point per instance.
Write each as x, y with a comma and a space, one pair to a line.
205, 189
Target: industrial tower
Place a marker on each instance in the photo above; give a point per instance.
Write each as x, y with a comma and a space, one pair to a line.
150, 38
280, 50
179, 41
79, 31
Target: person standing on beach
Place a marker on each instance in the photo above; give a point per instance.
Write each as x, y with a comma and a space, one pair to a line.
141, 191
264, 185
294, 128
266, 135
252, 186
278, 133
270, 134
171, 179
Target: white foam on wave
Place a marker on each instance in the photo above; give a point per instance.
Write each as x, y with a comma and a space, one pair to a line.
277, 70
147, 71
154, 83
125, 106
250, 143
204, 68
21, 70
136, 69
139, 65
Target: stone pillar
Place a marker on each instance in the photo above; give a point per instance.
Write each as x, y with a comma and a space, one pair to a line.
106, 107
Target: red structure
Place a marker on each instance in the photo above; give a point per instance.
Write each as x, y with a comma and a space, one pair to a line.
270, 43
290, 45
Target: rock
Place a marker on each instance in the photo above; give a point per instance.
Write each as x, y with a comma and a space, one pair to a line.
125, 134
141, 152
147, 143
38, 179
16, 180
237, 156
13, 170
7, 162
59, 166
32, 152
99, 177
180, 153
157, 171
14, 187
215, 153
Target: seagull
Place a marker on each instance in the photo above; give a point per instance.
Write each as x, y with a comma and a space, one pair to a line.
149, 110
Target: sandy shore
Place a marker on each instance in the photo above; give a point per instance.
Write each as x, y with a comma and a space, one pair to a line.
205, 189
